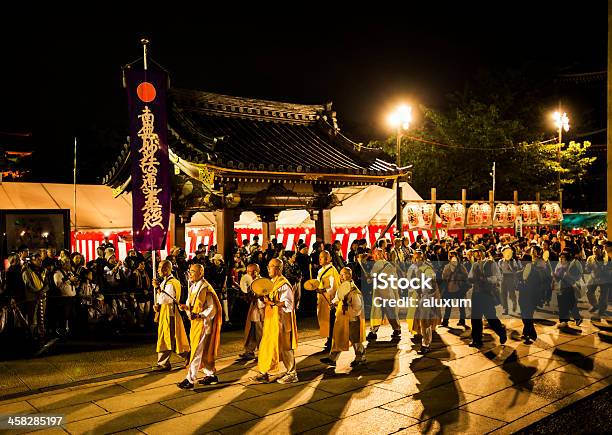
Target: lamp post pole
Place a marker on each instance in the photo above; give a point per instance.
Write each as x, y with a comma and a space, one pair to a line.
559, 161
562, 123
398, 199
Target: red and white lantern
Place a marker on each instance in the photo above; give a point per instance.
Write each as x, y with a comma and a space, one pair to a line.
458, 214
501, 214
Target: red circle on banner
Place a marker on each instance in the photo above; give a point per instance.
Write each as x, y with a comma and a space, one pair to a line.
146, 92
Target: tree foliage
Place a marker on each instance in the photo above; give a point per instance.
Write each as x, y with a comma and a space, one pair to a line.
456, 148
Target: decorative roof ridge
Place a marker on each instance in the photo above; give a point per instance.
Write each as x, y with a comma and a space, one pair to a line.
247, 107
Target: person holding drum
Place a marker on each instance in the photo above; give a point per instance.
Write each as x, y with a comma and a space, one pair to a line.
279, 338
329, 280
350, 321
253, 328
171, 335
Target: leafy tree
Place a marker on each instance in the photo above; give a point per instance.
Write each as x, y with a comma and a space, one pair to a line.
456, 149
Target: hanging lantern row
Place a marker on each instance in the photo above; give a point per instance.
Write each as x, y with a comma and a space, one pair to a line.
479, 214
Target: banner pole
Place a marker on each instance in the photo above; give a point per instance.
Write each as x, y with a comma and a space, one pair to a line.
75, 194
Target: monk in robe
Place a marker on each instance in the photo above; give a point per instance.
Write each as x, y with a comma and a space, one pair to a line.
426, 317
204, 310
381, 313
329, 280
253, 328
350, 321
279, 338
171, 335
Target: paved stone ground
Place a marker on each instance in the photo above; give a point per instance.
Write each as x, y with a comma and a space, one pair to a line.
453, 389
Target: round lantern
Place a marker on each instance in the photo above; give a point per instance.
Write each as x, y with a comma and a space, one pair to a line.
446, 214
557, 214
413, 212
428, 212
535, 213
500, 215
526, 213
546, 215
511, 213
458, 214
485, 212
474, 216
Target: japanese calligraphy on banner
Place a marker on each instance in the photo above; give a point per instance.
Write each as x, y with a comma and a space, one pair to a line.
146, 91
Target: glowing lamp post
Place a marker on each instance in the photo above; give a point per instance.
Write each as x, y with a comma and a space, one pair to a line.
562, 123
400, 120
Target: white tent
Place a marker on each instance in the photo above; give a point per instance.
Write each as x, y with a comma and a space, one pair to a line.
374, 205
98, 209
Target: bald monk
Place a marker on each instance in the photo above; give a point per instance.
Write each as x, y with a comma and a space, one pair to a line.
326, 310
253, 327
171, 335
350, 321
205, 312
279, 338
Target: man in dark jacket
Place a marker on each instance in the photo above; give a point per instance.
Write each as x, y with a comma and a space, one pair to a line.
485, 277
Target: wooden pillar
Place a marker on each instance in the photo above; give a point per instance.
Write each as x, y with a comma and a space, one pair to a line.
539, 207
435, 219
268, 232
464, 204
179, 231
518, 210
224, 231
492, 205
323, 225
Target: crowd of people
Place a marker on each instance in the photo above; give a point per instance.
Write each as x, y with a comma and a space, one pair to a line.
59, 295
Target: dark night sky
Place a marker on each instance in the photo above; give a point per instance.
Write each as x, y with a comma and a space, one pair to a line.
62, 77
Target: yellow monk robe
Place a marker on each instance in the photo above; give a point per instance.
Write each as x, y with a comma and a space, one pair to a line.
323, 306
412, 310
164, 337
341, 340
272, 341
427, 317
377, 316
197, 305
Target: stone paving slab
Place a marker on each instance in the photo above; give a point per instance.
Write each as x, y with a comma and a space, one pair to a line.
297, 420
370, 422
119, 421
454, 422
508, 405
351, 403
50, 402
453, 389
200, 422
430, 403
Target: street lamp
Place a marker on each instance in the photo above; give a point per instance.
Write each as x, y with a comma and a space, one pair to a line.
562, 123
400, 120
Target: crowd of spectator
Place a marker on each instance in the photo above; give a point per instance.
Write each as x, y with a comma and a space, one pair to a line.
57, 294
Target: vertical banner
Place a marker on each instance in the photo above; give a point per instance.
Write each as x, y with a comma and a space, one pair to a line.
146, 92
